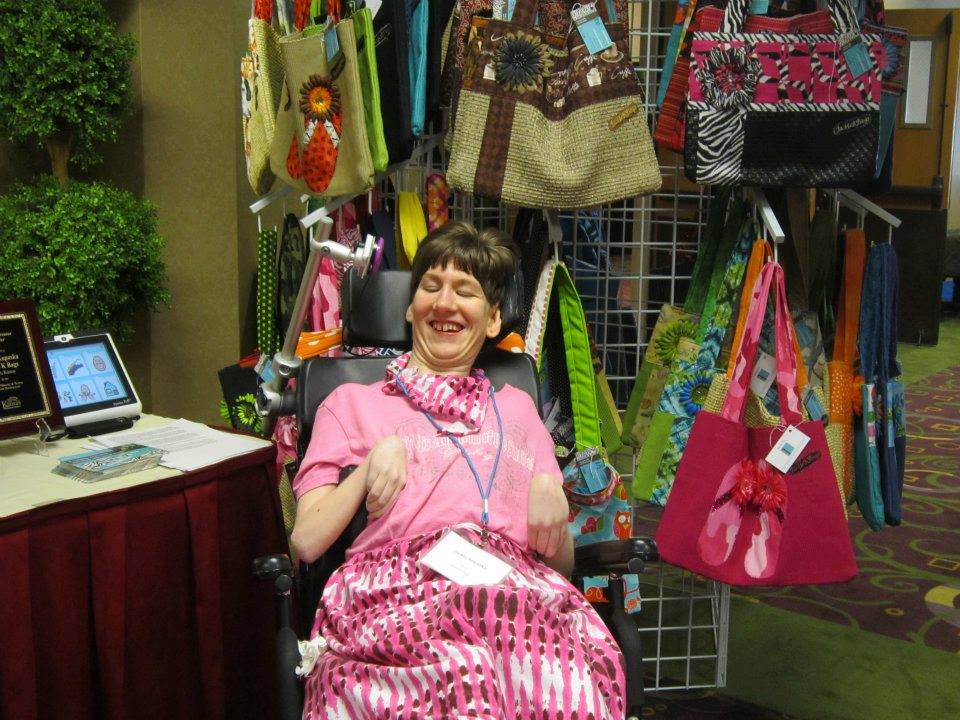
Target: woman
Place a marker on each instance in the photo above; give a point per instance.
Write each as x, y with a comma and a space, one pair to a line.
450, 467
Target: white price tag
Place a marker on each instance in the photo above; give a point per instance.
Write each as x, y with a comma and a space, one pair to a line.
463, 562
764, 373
489, 73
787, 449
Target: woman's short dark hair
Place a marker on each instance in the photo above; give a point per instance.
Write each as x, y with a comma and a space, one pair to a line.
489, 255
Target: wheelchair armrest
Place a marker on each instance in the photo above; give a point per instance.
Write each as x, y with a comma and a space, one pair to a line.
620, 556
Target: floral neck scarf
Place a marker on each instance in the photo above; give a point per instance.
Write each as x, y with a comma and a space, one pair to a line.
459, 402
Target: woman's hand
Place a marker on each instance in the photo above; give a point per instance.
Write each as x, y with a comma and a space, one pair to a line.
547, 513
386, 475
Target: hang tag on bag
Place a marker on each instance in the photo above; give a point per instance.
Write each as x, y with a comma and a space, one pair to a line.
592, 30
759, 7
373, 6
331, 42
787, 449
855, 53
459, 560
764, 373
870, 413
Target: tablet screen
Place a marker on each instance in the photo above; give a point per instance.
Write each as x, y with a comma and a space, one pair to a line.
87, 375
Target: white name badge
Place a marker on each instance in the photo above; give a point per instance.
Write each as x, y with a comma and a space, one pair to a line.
463, 562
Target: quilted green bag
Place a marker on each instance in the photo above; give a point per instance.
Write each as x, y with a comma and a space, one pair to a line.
674, 324
689, 381
558, 341
370, 87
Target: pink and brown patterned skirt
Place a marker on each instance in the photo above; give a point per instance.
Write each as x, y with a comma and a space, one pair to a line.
405, 642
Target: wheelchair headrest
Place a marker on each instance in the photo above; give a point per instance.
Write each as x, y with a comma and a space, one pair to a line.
373, 308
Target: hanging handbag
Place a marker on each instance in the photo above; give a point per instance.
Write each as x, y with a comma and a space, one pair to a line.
268, 335
540, 121
392, 39
320, 145
844, 387
732, 515
689, 382
671, 121
370, 88
261, 71
674, 324
558, 341
882, 443
418, 18
782, 111
291, 263
599, 504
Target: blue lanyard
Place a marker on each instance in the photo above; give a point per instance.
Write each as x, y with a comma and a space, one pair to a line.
484, 492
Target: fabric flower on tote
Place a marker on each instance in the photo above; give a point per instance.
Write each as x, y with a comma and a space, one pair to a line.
729, 77
522, 62
693, 393
892, 61
319, 99
666, 343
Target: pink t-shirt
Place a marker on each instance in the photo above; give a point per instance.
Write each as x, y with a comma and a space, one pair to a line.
440, 490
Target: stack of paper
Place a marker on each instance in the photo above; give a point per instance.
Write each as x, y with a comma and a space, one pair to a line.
188, 445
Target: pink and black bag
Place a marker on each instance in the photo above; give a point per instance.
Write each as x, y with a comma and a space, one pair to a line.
782, 110
732, 516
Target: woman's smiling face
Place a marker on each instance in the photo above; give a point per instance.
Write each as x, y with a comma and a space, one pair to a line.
451, 318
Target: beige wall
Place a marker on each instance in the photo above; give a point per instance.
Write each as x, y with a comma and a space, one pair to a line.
180, 148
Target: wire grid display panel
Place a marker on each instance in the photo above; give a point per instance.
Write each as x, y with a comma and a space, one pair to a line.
628, 259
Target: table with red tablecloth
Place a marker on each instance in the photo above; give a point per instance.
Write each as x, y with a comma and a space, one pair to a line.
139, 602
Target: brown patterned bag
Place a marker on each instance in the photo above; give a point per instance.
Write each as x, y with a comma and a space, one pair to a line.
540, 122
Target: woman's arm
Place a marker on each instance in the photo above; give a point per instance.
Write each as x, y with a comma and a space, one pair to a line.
324, 512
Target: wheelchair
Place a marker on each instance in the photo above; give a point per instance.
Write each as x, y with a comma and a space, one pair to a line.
373, 309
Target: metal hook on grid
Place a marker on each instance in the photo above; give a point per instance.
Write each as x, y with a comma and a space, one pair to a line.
554, 231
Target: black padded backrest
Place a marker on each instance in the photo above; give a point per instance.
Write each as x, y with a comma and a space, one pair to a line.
320, 376
373, 308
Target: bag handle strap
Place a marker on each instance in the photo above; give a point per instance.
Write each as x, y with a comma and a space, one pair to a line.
890, 292
841, 11
770, 279
851, 290
707, 256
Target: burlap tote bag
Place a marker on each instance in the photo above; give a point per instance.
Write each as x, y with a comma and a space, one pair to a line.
540, 122
320, 146
261, 77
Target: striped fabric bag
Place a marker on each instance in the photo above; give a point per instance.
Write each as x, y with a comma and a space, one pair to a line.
776, 110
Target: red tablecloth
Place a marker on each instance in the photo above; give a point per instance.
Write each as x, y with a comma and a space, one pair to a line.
140, 603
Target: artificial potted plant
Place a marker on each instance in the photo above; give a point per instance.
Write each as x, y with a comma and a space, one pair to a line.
88, 254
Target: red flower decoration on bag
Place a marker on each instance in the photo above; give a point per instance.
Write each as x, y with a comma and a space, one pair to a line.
771, 490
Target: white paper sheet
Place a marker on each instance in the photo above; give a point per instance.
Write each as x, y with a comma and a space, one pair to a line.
187, 445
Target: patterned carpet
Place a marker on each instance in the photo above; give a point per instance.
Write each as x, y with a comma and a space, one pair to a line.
909, 581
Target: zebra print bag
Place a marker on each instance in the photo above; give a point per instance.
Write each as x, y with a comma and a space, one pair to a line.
780, 110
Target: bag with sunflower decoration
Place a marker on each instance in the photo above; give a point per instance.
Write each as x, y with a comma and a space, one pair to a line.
673, 324
542, 122
689, 381
739, 515
320, 146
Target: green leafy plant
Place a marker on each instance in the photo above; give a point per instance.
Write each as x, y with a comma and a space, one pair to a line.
64, 78
89, 254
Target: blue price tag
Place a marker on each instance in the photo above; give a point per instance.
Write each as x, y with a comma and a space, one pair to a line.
857, 58
592, 30
511, 4
331, 42
759, 7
